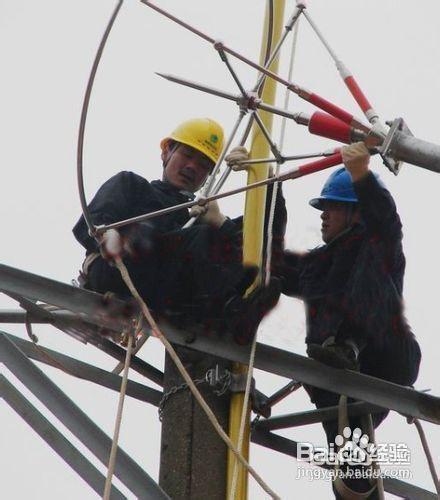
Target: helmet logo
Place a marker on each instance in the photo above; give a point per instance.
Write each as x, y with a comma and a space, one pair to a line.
214, 138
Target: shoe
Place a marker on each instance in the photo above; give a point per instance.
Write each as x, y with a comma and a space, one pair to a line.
341, 355
243, 315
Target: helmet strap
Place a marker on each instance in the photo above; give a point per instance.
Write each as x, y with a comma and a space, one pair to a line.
173, 150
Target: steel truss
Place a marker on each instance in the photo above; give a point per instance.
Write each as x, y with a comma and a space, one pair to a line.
374, 394
88, 316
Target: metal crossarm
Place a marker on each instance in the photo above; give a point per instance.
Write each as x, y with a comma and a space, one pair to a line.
91, 335
85, 371
315, 416
293, 366
289, 447
128, 471
271, 359
113, 314
62, 446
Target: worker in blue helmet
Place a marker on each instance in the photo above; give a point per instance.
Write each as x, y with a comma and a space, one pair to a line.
352, 289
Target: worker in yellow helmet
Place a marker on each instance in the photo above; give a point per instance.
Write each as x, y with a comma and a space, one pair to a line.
186, 274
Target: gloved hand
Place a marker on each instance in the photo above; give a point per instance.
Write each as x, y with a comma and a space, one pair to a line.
356, 158
198, 210
237, 154
111, 244
135, 240
209, 214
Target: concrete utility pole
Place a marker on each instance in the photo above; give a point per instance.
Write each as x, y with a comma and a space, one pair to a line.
193, 457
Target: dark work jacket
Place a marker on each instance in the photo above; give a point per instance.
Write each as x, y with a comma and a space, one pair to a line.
127, 195
198, 261
352, 287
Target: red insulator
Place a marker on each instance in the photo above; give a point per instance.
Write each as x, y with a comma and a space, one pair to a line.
358, 94
330, 108
325, 125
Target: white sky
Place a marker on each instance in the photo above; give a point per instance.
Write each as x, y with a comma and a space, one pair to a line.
46, 50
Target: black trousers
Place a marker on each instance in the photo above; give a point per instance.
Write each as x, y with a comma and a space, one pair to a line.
397, 361
197, 266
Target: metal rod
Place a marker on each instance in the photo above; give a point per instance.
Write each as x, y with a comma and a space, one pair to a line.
289, 76
304, 156
315, 99
128, 471
258, 87
266, 134
300, 171
225, 59
82, 124
295, 16
210, 181
85, 371
346, 76
285, 391
316, 416
231, 97
55, 439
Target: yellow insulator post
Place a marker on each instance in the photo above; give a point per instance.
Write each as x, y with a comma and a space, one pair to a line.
253, 243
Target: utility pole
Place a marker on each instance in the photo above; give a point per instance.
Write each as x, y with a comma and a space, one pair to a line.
193, 457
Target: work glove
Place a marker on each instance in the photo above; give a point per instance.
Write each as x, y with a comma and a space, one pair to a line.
356, 158
111, 244
135, 240
208, 214
237, 154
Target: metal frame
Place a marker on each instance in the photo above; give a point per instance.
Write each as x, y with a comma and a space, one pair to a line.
85, 371
127, 471
271, 359
62, 446
374, 394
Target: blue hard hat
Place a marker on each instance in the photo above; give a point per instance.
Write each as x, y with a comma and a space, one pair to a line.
338, 187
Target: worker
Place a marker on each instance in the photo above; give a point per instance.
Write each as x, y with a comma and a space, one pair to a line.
188, 275
352, 288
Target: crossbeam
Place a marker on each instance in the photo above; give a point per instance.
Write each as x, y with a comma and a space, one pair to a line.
53, 437
85, 371
126, 469
316, 416
271, 359
293, 366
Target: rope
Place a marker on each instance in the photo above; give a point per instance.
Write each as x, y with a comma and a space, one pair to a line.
267, 271
139, 344
375, 465
114, 449
287, 92
428, 454
169, 348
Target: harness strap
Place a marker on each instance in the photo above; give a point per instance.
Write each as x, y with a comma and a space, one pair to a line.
345, 491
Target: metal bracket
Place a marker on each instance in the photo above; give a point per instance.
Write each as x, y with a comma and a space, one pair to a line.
387, 148
250, 101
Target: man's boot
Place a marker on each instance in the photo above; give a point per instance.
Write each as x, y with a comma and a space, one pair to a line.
342, 354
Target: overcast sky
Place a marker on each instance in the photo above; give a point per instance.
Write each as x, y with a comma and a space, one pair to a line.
46, 51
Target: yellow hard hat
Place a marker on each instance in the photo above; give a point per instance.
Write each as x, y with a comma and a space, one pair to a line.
203, 134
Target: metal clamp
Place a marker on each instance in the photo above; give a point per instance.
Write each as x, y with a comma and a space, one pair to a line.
387, 149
